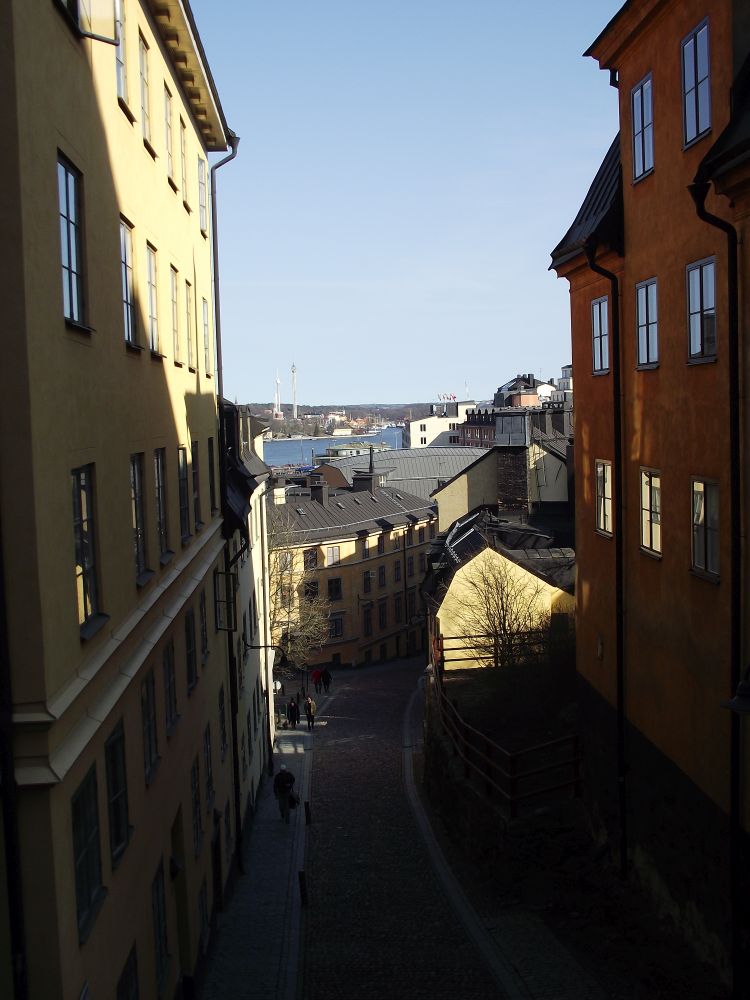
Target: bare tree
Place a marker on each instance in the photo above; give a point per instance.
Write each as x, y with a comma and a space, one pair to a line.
299, 613
500, 613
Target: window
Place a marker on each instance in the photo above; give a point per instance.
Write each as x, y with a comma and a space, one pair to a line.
137, 515
153, 304
696, 86
334, 589
420, 536
335, 627
422, 562
310, 558
86, 852
170, 688
646, 318
208, 766
203, 917
69, 196
195, 798
410, 536
381, 544
160, 479
127, 984
365, 548
175, 312
117, 792
222, 723
411, 603
148, 722
604, 497
397, 571
600, 335
423, 427
183, 160
333, 555
701, 282
195, 462
651, 510
382, 614
203, 612
207, 366
706, 526
202, 203
410, 566
311, 590
120, 54
85, 544
211, 476
398, 608
168, 133
381, 576
643, 129
182, 480
189, 325
366, 581
191, 661
126, 269
145, 103
159, 912
432, 529
367, 621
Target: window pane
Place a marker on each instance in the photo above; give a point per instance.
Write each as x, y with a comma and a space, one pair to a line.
708, 286
688, 63
703, 53
647, 109
704, 106
648, 148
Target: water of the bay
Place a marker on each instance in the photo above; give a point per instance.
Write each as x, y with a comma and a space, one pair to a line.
307, 451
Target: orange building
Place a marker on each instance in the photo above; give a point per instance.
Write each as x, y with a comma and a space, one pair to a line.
651, 261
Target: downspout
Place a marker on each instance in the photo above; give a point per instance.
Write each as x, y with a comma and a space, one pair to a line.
234, 142
270, 693
590, 250
10, 808
699, 190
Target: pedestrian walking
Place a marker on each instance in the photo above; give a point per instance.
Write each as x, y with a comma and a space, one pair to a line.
326, 678
310, 710
283, 789
317, 678
292, 713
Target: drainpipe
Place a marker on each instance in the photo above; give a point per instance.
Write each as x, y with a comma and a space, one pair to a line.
699, 191
590, 249
10, 808
234, 142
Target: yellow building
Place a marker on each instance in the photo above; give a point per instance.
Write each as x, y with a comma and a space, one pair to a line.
364, 548
113, 666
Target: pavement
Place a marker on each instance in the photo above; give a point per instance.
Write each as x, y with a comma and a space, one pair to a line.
384, 915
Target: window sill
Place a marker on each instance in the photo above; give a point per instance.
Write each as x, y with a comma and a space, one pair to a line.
204, 234
166, 557
86, 925
135, 349
157, 355
149, 148
651, 553
643, 176
151, 772
209, 374
600, 371
178, 364
697, 139
90, 627
187, 207
172, 184
648, 366
709, 359
703, 574
126, 110
142, 579
603, 533
73, 324
192, 368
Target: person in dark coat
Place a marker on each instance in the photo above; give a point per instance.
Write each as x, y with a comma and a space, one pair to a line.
310, 710
283, 789
292, 713
326, 678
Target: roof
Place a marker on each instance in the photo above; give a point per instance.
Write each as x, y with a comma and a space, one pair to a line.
351, 513
600, 216
419, 471
481, 453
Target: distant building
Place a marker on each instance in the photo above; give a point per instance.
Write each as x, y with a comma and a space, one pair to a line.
439, 427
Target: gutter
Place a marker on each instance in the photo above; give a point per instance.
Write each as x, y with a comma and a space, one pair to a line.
698, 191
590, 250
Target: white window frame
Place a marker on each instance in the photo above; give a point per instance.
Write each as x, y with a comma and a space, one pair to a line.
189, 324
153, 298
642, 111
202, 199
600, 334
333, 555
174, 297
705, 522
207, 366
603, 491
145, 95
128, 286
647, 323
701, 309
168, 132
69, 205
651, 520
121, 57
183, 160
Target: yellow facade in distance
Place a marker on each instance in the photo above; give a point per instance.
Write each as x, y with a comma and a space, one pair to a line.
108, 556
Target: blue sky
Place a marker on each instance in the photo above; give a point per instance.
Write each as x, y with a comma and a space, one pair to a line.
405, 169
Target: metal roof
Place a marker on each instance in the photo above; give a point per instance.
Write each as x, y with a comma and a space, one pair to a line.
600, 215
418, 471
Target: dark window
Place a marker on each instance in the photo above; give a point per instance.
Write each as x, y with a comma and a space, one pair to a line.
398, 608
420, 535
196, 484
204, 626
696, 84
600, 335
170, 687
127, 984
381, 544
222, 723
310, 558
410, 536
182, 479
117, 792
411, 604
367, 621
69, 194
646, 318
643, 128
397, 570
701, 281
195, 798
191, 659
335, 627
422, 562
365, 548
85, 543
159, 911
432, 529
334, 589
381, 576
211, 476
86, 851
366, 581
410, 566
208, 766
160, 487
148, 720
382, 614
312, 589
138, 514
706, 526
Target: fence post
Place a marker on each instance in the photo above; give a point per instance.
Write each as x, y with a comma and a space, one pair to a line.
496, 650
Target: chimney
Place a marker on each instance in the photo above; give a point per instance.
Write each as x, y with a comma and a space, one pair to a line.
319, 493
